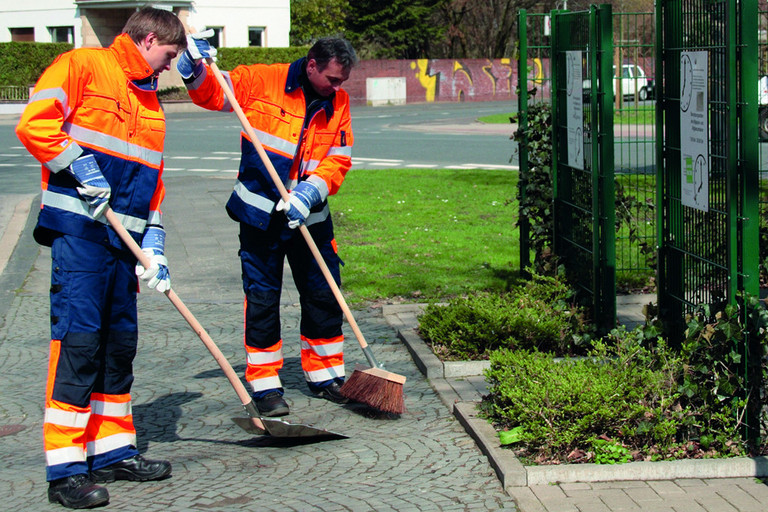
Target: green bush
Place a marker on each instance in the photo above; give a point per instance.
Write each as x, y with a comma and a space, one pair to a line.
537, 315
22, 63
618, 401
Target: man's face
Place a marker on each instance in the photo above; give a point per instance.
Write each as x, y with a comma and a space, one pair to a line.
329, 80
158, 55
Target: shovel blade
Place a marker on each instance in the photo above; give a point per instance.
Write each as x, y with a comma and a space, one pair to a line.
280, 428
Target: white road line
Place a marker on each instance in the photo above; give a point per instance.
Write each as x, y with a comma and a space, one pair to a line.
376, 160
421, 166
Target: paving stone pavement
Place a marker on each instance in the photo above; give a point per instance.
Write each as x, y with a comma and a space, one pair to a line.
422, 460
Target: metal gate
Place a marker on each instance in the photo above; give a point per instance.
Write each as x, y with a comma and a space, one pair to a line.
708, 187
583, 167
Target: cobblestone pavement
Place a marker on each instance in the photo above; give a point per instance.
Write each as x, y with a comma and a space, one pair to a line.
422, 460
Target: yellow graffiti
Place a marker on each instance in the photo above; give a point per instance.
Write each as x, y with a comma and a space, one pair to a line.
538, 76
427, 81
459, 67
488, 70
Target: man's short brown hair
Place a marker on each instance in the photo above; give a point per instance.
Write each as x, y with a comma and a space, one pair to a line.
165, 25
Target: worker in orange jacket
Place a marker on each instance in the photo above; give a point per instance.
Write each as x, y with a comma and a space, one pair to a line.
301, 115
95, 124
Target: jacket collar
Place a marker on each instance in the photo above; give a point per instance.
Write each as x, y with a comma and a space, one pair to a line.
296, 70
133, 63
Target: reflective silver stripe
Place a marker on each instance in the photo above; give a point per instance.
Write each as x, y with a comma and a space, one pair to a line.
67, 203
54, 92
194, 84
270, 141
155, 218
66, 418
114, 409
129, 222
255, 200
110, 443
325, 374
259, 358
114, 144
66, 157
266, 383
324, 350
320, 216
340, 150
64, 455
291, 184
309, 166
78, 206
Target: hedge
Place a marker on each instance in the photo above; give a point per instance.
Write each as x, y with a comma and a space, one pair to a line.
22, 64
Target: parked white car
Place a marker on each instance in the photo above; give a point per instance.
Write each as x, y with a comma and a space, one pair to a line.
633, 80
762, 109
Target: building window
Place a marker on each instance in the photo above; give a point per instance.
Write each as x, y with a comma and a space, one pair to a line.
23, 34
62, 34
255, 36
216, 39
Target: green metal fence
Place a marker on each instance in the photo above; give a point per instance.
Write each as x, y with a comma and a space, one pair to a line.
534, 86
708, 184
582, 119
634, 145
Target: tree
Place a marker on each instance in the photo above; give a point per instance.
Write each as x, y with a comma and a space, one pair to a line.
400, 29
313, 19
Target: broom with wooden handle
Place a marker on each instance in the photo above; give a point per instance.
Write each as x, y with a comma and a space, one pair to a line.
374, 386
253, 424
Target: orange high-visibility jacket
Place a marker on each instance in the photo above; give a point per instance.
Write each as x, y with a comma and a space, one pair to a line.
301, 140
101, 101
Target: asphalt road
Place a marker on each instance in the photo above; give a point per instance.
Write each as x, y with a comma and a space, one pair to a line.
421, 136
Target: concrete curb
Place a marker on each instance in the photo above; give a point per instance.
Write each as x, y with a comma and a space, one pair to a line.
510, 471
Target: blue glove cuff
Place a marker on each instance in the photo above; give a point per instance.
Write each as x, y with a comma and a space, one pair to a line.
87, 171
308, 193
154, 240
188, 68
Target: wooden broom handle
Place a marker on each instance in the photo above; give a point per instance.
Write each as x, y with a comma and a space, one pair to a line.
242, 393
286, 198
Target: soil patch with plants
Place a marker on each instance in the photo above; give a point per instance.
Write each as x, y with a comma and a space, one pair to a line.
558, 394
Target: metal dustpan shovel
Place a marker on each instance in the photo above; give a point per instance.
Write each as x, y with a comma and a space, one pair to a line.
253, 424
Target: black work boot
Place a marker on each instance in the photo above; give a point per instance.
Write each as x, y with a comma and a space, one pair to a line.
77, 491
332, 392
135, 469
272, 404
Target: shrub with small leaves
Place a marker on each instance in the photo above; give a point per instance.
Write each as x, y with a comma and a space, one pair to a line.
537, 315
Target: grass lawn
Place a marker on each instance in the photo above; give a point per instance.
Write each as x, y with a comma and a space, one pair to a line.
426, 234
628, 114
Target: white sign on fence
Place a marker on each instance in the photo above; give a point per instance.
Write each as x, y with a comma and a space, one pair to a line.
694, 129
574, 109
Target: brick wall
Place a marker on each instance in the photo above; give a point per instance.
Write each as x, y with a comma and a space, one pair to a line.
441, 79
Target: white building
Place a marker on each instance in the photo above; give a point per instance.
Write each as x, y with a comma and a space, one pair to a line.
237, 23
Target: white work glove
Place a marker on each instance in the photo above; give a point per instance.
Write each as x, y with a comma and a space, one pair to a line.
306, 195
153, 245
94, 188
190, 63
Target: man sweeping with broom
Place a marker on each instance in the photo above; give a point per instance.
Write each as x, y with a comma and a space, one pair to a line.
302, 116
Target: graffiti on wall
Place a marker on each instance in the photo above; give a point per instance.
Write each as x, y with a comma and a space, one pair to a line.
434, 80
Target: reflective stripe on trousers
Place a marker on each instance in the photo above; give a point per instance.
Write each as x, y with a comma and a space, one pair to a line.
262, 255
88, 420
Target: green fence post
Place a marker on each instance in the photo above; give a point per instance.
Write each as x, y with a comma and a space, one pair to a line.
604, 193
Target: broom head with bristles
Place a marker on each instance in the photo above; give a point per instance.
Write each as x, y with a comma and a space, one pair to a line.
379, 389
